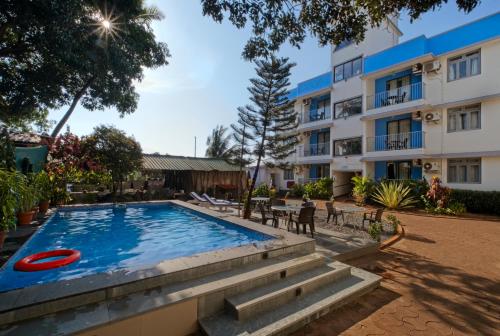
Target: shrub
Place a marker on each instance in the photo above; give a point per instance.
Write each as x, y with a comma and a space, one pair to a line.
8, 199
375, 230
298, 190
437, 195
322, 188
362, 188
264, 191
486, 202
393, 195
394, 221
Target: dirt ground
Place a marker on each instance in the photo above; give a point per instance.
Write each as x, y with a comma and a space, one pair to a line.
442, 278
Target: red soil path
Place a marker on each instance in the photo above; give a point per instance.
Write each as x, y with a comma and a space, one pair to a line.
442, 278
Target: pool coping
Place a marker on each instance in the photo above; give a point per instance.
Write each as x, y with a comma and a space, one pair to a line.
34, 301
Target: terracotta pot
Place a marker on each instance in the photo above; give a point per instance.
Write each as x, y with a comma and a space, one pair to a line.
3, 235
43, 206
25, 218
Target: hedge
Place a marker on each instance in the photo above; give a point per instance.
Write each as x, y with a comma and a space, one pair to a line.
485, 202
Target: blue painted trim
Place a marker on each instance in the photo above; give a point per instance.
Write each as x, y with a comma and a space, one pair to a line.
381, 170
469, 34
315, 84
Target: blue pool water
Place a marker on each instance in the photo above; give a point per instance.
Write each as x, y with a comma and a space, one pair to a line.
130, 238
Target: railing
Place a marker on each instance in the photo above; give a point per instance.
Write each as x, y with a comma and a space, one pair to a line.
399, 141
397, 96
317, 149
312, 116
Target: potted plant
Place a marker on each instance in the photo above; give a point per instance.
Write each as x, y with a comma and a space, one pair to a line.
8, 200
43, 187
361, 189
27, 200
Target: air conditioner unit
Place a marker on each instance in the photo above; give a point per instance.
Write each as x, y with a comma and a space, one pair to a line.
431, 166
432, 116
417, 115
417, 163
306, 101
417, 68
432, 66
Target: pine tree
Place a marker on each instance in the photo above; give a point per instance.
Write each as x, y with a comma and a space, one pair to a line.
218, 144
269, 122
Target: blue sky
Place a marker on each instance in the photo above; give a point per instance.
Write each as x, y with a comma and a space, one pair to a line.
206, 79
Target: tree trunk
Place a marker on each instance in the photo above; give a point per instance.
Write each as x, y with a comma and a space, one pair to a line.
247, 212
68, 113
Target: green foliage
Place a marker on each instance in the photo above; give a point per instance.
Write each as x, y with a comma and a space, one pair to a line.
437, 200
275, 22
362, 188
119, 154
269, 123
375, 230
394, 222
393, 195
321, 189
298, 190
7, 155
8, 199
27, 193
218, 144
52, 53
485, 202
42, 186
264, 191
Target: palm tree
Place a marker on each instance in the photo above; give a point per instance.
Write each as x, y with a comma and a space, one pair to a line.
218, 145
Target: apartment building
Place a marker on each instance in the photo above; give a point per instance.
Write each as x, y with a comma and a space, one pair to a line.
426, 107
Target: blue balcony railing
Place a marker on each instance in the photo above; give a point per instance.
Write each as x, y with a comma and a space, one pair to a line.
396, 96
392, 142
316, 115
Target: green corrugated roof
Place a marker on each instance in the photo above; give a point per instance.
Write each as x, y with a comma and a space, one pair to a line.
168, 162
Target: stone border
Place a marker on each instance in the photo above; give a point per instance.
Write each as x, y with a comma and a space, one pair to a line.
38, 300
394, 238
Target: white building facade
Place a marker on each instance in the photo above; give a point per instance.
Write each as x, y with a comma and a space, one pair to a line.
427, 107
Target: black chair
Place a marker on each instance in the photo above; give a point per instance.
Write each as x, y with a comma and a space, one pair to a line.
335, 213
267, 215
372, 217
305, 217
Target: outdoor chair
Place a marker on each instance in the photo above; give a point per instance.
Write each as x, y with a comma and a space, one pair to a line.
332, 211
216, 203
198, 198
305, 217
267, 215
372, 217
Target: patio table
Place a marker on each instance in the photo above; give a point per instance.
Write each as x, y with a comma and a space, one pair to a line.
350, 209
288, 209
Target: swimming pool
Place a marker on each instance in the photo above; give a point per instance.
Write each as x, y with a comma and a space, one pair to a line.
135, 237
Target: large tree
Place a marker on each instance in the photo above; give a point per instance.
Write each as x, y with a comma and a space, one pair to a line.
218, 143
270, 121
331, 21
55, 53
118, 153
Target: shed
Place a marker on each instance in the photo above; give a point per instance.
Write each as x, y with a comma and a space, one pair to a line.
194, 174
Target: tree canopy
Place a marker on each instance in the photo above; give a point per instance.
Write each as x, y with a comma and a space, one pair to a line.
54, 53
118, 153
218, 143
269, 123
275, 22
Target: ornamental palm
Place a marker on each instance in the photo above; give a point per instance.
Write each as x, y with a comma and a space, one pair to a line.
393, 195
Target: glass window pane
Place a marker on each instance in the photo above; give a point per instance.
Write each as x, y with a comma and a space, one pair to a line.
452, 174
462, 174
339, 108
462, 69
463, 121
452, 120
339, 73
348, 70
474, 174
475, 64
356, 66
474, 119
452, 71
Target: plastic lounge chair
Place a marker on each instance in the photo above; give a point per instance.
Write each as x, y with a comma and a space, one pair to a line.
197, 197
221, 205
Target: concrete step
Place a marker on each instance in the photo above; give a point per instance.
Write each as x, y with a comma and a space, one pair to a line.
265, 298
287, 318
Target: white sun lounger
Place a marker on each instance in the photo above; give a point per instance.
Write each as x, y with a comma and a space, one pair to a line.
221, 205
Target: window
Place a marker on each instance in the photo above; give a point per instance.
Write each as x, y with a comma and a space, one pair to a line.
348, 69
288, 174
464, 66
464, 118
399, 170
347, 108
464, 170
347, 147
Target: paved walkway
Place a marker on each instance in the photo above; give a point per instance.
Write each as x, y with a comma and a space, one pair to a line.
443, 278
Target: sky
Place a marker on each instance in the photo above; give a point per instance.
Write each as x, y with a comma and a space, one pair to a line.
206, 78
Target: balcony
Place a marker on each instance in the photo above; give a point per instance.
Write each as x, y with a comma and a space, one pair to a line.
401, 95
314, 153
311, 116
395, 142
319, 149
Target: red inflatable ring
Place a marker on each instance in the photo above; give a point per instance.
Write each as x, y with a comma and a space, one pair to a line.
27, 264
